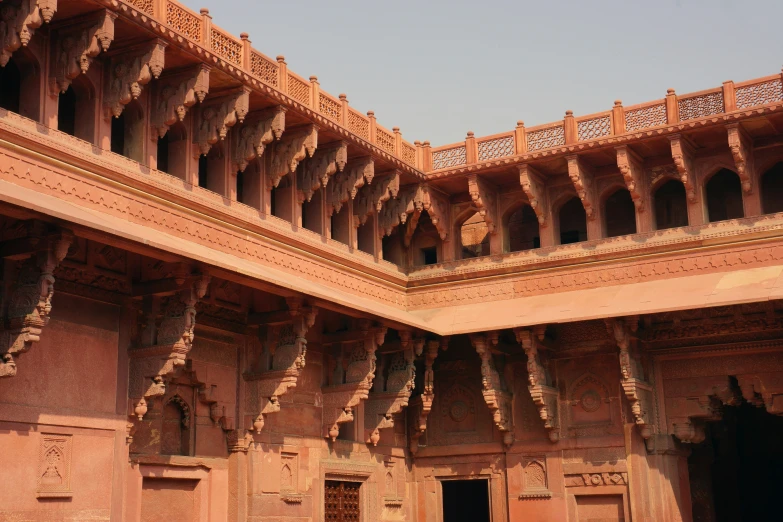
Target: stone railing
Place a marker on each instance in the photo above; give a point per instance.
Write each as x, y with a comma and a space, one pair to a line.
187, 25
595, 127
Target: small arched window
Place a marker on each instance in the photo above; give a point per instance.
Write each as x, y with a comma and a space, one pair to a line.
724, 196
620, 214
671, 205
772, 190
523, 230
573, 222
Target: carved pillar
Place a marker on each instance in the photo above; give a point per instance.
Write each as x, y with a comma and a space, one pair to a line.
682, 155
239, 442
497, 398
29, 302
540, 383
485, 199
352, 376
77, 46
421, 406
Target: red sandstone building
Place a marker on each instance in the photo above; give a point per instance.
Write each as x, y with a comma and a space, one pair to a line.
227, 295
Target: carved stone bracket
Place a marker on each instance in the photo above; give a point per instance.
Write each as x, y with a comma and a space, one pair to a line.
499, 400
630, 166
438, 207
421, 406
372, 197
582, 178
285, 347
30, 301
352, 378
129, 71
325, 163
286, 154
152, 364
346, 185
535, 189
217, 115
741, 146
692, 402
408, 201
763, 389
682, 154
637, 390
260, 129
175, 95
485, 199
19, 22
540, 384
78, 45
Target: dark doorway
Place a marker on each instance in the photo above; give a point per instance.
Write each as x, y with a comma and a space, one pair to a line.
736, 474
671, 205
620, 214
573, 222
465, 500
523, 232
10, 86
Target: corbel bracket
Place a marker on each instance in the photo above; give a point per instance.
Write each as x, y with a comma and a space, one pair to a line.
682, 154
540, 383
582, 178
260, 129
326, 162
485, 199
175, 95
284, 156
78, 45
741, 146
19, 22
129, 71
535, 189
497, 398
346, 185
217, 115
421, 406
630, 166
372, 197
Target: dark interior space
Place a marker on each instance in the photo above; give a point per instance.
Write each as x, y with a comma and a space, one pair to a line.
671, 205
724, 196
573, 222
465, 501
620, 214
772, 190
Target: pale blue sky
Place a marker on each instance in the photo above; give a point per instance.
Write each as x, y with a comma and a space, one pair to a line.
437, 69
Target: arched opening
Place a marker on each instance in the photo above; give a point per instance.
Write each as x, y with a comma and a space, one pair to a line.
474, 237
772, 190
20, 85
392, 248
425, 242
724, 196
212, 170
341, 225
619, 214
745, 443
76, 109
671, 205
522, 230
127, 132
282, 199
173, 150
312, 212
572, 221
175, 432
365, 235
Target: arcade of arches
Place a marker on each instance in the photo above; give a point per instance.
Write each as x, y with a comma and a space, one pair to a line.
227, 295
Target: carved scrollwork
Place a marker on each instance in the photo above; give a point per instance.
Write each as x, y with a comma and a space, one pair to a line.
540, 384
216, 116
682, 154
325, 163
582, 179
535, 189
372, 197
346, 185
175, 95
630, 166
485, 199
30, 300
497, 398
19, 22
260, 129
129, 72
285, 155
78, 45
421, 406
741, 146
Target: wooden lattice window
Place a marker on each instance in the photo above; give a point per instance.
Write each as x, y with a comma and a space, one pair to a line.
341, 501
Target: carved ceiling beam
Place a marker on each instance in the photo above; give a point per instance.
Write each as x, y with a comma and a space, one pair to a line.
582, 177
315, 173
540, 382
260, 129
351, 379
165, 349
283, 358
176, 93
285, 155
682, 154
485, 199
692, 402
637, 390
30, 299
497, 398
345, 186
217, 115
78, 45
534, 187
421, 406
630, 166
129, 71
741, 146
372, 197
19, 23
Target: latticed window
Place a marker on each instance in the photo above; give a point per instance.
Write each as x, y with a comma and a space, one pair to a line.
341, 501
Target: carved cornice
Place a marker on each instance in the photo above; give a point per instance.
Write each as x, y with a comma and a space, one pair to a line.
217, 115
534, 188
175, 95
682, 154
284, 156
630, 166
540, 383
372, 197
422, 406
497, 398
582, 178
741, 146
19, 22
129, 71
259, 130
325, 163
485, 199
30, 299
346, 185
78, 45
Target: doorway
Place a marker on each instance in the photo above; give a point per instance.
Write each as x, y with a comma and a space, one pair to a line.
736, 474
341, 501
465, 500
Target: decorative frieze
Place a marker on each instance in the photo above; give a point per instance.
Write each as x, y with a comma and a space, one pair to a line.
19, 22
216, 116
78, 45
259, 130
596, 479
129, 71
175, 95
497, 398
540, 384
317, 171
285, 155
